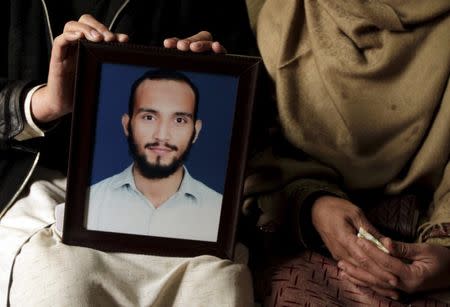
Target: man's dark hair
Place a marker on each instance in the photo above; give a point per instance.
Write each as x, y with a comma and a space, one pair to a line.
162, 74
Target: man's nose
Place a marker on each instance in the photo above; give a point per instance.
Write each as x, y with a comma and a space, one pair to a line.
162, 131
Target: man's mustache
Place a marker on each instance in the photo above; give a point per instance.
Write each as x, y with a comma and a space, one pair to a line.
159, 144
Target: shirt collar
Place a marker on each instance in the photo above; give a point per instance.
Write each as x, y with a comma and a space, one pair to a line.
187, 186
124, 178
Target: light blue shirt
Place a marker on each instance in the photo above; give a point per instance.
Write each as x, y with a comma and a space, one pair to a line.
116, 205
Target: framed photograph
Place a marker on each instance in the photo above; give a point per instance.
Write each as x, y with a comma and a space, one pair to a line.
158, 149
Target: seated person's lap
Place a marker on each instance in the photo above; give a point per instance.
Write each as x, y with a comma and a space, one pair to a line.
45, 272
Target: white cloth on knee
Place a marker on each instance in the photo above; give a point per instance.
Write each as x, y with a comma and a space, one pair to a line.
30, 214
46, 272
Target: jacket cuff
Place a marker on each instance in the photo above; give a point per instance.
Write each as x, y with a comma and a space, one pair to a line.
12, 99
302, 195
287, 212
31, 129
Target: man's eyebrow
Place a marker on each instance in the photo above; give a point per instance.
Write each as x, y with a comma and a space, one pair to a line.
150, 110
184, 114
147, 110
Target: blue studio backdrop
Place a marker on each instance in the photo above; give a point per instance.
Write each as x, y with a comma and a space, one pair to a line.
208, 159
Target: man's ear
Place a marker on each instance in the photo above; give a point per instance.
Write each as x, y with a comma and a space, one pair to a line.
198, 127
125, 122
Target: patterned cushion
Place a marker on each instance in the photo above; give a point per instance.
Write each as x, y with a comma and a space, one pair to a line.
310, 279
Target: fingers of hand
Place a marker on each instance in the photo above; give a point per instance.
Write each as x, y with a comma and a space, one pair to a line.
194, 46
218, 48
347, 240
200, 36
203, 46
377, 274
200, 46
410, 276
339, 237
60, 44
89, 32
388, 243
97, 27
341, 253
93, 30
387, 281
122, 38
353, 280
361, 221
67, 38
200, 42
391, 293
183, 44
171, 42
404, 250
389, 263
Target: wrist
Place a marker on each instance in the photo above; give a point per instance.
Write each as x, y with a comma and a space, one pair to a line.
42, 110
311, 238
319, 203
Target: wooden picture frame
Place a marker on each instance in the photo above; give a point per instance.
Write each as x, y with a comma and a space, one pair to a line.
226, 86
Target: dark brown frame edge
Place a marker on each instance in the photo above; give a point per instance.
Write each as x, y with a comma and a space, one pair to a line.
90, 58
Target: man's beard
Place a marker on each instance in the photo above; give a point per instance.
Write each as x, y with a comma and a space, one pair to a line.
156, 170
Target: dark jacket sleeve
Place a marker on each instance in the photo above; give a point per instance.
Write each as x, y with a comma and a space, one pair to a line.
286, 213
22, 57
12, 117
301, 194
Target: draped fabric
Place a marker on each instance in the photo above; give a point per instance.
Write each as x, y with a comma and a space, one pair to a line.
37, 269
363, 95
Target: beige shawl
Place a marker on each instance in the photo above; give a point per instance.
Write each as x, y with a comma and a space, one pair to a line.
363, 87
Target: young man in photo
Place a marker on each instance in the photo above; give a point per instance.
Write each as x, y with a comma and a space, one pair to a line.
156, 195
